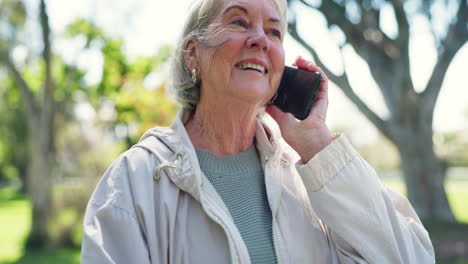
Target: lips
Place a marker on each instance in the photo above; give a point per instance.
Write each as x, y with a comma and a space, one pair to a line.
253, 64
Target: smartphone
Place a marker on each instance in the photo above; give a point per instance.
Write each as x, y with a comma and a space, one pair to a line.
297, 91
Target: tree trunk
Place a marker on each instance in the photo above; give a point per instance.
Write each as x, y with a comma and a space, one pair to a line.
39, 189
41, 135
423, 171
409, 125
23, 175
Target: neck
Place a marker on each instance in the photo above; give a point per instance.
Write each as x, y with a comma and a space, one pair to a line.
222, 129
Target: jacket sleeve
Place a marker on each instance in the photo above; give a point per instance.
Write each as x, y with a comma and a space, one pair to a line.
366, 221
111, 232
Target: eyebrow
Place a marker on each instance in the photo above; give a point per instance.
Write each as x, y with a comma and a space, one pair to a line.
274, 20
243, 9
236, 6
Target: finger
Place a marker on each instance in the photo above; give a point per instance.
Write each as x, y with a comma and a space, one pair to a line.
275, 112
319, 109
297, 59
323, 89
311, 67
302, 63
283, 119
321, 102
308, 65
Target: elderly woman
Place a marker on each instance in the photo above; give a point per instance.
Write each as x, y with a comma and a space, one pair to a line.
229, 183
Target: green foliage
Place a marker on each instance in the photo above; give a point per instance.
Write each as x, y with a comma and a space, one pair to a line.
68, 79
144, 109
457, 192
82, 162
450, 146
13, 131
122, 82
13, 12
63, 227
382, 154
453, 147
86, 28
12, 19
14, 128
115, 67
79, 158
164, 53
137, 107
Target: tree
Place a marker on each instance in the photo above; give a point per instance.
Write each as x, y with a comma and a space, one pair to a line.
13, 131
45, 89
12, 160
409, 125
46, 86
137, 106
40, 118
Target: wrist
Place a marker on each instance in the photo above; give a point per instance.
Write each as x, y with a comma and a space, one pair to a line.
318, 143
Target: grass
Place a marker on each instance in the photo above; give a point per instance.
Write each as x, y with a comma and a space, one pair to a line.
457, 192
15, 212
65, 256
15, 215
15, 221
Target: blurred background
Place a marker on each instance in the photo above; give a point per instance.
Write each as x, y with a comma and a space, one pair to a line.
80, 81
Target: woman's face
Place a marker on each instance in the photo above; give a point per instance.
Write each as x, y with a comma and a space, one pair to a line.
242, 57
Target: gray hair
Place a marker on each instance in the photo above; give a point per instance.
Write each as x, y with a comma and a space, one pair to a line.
201, 12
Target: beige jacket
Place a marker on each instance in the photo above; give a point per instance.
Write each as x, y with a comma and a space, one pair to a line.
154, 205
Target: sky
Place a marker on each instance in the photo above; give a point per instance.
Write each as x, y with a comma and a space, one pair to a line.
148, 24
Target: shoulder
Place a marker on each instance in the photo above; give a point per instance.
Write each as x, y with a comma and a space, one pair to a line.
132, 170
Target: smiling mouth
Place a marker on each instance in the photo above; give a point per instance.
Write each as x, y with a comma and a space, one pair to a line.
252, 66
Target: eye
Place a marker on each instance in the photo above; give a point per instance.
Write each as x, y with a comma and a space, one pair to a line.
276, 33
239, 22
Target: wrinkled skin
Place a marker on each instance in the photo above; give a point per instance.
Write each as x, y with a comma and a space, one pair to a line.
237, 36
230, 97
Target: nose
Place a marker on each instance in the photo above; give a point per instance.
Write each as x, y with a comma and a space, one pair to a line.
258, 39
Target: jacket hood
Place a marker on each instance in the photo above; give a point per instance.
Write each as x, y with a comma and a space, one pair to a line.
188, 176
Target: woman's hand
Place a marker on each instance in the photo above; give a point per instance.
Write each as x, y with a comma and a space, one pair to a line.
309, 136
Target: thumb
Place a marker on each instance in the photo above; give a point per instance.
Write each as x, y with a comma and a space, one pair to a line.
283, 119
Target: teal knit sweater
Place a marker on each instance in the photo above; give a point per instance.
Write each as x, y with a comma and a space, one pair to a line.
240, 182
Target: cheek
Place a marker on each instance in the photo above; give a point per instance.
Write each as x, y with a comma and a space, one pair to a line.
220, 60
277, 58
219, 49
215, 65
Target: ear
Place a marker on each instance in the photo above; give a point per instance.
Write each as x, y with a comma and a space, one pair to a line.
191, 55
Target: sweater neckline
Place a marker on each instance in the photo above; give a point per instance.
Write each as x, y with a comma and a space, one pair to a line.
242, 162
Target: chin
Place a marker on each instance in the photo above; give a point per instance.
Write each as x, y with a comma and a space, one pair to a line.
254, 94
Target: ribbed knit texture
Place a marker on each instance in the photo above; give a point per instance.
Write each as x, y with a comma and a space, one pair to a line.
240, 182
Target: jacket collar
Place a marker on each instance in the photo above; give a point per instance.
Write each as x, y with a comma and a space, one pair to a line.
176, 138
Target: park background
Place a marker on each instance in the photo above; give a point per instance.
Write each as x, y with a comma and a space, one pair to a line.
100, 82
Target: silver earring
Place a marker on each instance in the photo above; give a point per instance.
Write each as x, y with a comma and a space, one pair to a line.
194, 76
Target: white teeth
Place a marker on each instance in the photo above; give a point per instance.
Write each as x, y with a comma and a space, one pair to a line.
249, 65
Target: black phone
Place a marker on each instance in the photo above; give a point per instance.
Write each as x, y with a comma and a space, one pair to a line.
297, 91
